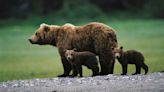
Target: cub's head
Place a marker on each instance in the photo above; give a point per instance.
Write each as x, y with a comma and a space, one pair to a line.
70, 54
45, 34
118, 52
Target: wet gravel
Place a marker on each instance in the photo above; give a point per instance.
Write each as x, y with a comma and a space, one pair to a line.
153, 82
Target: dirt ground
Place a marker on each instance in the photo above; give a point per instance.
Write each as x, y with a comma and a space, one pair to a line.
153, 82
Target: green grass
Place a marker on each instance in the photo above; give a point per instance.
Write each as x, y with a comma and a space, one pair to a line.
146, 36
21, 60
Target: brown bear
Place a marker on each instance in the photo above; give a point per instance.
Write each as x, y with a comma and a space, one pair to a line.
95, 37
77, 59
130, 57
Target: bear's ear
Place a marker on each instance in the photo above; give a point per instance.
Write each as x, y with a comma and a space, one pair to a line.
45, 27
64, 50
121, 47
75, 49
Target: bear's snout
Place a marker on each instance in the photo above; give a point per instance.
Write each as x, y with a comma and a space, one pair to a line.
30, 40
69, 58
117, 55
33, 39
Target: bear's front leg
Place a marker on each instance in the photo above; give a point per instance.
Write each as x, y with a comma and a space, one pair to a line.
124, 69
80, 71
67, 67
75, 71
112, 67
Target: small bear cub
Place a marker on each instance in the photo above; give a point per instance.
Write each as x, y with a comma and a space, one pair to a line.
130, 57
77, 59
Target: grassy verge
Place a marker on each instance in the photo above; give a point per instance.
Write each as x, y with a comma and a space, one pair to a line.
21, 60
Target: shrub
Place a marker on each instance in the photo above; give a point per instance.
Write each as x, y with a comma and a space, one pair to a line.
155, 8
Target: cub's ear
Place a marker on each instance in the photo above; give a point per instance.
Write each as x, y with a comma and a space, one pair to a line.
45, 27
64, 50
75, 49
121, 47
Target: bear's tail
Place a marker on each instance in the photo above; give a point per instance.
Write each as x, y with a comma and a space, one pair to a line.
145, 67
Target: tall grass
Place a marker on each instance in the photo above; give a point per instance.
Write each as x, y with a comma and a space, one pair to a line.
21, 60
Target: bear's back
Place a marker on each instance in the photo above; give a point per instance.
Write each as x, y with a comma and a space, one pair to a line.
85, 57
96, 26
134, 56
85, 54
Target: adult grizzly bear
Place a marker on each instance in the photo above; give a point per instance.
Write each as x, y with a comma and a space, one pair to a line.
77, 59
94, 37
130, 57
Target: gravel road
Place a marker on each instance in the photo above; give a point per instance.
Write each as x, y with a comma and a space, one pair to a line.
153, 82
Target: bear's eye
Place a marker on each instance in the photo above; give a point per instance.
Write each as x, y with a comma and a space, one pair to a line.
36, 33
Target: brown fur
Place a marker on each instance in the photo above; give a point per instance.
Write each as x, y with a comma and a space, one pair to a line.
130, 57
77, 59
94, 37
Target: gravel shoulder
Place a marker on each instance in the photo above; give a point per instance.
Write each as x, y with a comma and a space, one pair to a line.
153, 82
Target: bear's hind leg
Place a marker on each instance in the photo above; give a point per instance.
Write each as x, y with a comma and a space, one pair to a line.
138, 69
106, 61
80, 71
112, 67
145, 67
95, 70
104, 66
135, 71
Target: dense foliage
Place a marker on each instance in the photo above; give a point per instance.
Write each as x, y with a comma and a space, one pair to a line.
82, 8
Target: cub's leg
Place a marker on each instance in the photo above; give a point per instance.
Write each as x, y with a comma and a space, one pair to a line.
80, 71
124, 69
75, 71
145, 67
138, 69
95, 70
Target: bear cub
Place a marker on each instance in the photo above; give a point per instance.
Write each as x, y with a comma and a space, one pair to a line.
77, 59
130, 57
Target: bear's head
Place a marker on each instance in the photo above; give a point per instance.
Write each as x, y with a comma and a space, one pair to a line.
45, 34
70, 54
118, 52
